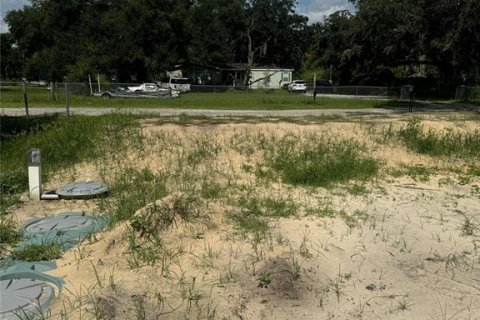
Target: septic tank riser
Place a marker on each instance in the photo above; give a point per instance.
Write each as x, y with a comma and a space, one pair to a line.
34, 182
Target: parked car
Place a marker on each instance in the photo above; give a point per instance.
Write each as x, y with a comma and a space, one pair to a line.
297, 86
145, 87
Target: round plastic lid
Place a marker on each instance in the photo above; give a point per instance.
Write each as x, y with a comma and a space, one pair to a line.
63, 223
81, 190
20, 297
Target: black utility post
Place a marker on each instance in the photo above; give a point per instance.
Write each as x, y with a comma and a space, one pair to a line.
25, 97
67, 100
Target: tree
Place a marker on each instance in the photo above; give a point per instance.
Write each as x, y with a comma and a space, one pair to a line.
274, 33
333, 45
451, 38
10, 56
216, 30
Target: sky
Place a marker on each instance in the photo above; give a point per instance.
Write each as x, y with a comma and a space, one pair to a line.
315, 10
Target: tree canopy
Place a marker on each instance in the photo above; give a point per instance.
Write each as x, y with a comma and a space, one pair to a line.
129, 40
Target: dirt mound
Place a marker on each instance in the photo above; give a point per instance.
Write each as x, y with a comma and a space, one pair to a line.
278, 278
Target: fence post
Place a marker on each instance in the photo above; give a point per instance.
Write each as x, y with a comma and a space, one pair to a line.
67, 100
98, 82
90, 82
53, 86
410, 105
25, 97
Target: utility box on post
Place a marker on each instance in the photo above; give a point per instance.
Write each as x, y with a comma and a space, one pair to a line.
34, 173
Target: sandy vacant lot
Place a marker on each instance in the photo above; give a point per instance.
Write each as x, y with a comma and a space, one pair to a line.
403, 245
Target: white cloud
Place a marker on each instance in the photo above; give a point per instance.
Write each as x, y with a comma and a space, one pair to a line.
317, 10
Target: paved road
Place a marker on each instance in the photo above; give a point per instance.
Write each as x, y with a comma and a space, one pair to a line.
199, 112
425, 107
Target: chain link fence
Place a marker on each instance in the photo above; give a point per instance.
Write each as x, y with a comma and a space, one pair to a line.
59, 94
464, 93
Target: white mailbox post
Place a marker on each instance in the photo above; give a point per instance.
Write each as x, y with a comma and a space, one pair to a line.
34, 173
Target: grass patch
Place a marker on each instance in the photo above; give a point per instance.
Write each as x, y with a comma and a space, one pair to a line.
419, 172
253, 213
9, 235
7, 200
212, 190
445, 143
354, 219
145, 239
320, 162
268, 207
248, 100
39, 252
468, 227
324, 211
357, 189
250, 223
133, 189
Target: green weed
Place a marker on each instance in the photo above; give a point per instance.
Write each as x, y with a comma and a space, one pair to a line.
204, 149
474, 170
357, 189
468, 227
253, 213
419, 172
320, 162
325, 210
445, 143
353, 220
277, 208
250, 222
39, 252
9, 236
264, 279
404, 304
7, 200
133, 189
211, 189
139, 304
145, 237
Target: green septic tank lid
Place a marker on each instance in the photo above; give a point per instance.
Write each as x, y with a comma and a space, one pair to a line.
66, 229
82, 190
65, 222
22, 298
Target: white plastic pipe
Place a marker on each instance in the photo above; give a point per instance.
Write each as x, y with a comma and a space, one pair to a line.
34, 173
35, 182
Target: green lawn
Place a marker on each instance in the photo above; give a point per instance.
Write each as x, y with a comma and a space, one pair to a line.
11, 97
